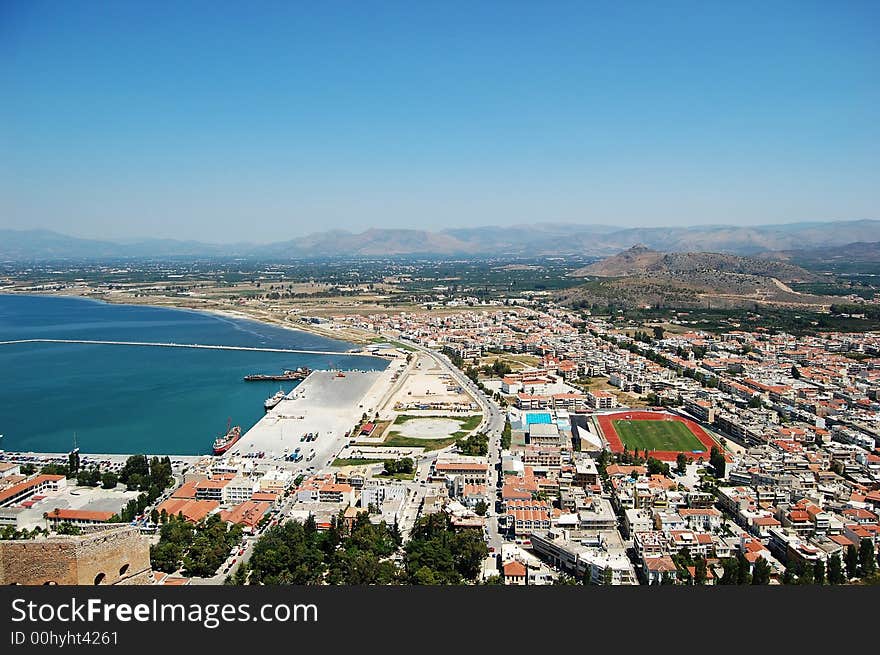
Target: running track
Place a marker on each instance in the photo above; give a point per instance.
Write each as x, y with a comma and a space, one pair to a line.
606, 424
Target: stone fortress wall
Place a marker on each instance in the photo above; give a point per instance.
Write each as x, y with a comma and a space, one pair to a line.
117, 556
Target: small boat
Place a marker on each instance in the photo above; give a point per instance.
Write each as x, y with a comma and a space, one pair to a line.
274, 400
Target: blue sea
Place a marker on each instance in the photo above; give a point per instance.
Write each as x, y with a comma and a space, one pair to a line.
133, 399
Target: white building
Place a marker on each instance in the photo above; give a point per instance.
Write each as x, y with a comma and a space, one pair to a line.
239, 490
376, 492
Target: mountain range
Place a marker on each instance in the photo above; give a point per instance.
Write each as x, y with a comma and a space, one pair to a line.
539, 239
861, 251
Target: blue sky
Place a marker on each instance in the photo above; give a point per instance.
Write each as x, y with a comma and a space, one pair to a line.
263, 121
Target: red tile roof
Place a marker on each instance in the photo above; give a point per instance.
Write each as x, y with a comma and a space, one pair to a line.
78, 515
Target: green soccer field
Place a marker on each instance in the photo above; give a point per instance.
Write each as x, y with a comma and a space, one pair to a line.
656, 435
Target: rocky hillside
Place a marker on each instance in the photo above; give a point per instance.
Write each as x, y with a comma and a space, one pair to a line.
642, 261
640, 276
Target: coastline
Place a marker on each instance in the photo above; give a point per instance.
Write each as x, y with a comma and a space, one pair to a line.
50, 453
215, 308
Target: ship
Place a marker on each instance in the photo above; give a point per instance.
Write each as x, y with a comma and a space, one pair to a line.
228, 440
299, 374
274, 400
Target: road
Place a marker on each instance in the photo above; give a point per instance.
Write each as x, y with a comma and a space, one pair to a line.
493, 425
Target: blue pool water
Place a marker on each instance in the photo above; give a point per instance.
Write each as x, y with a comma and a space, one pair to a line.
542, 417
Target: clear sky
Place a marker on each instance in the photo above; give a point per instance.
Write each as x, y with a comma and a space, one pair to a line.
263, 121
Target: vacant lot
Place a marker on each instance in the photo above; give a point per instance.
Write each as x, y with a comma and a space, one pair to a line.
657, 435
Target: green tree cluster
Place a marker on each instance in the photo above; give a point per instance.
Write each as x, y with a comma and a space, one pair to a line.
496, 369
476, 444
90, 477
437, 554
404, 465
297, 553
10, 533
199, 548
152, 476
656, 467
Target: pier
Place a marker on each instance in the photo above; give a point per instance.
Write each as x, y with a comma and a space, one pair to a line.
202, 346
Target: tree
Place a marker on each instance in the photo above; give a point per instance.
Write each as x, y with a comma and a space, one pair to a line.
563, 579
867, 560
731, 571
805, 575
73, 461
425, 576
761, 572
852, 561
481, 508
240, 576
717, 462
403, 466
136, 465
56, 469
755, 402
506, 436
449, 556
743, 576
835, 570
109, 480
700, 573
88, 477
476, 444
819, 572
681, 461
68, 528
795, 373
656, 467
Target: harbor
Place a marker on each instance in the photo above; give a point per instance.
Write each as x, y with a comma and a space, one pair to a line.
327, 405
173, 378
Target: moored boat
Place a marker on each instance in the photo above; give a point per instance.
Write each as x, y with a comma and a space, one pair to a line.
228, 440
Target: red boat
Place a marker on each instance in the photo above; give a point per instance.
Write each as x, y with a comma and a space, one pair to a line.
228, 440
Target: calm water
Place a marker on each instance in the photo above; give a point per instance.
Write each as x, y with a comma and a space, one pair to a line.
128, 399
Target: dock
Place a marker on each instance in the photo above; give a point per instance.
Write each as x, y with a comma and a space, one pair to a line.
150, 344
326, 403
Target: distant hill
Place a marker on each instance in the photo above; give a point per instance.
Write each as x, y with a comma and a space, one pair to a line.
640, 276
538, 239
371, 243
640, 260
27, 245
852, 252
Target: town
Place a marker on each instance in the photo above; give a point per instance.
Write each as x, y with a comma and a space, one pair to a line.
505, 443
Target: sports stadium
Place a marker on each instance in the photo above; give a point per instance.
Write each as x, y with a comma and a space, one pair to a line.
663, 434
